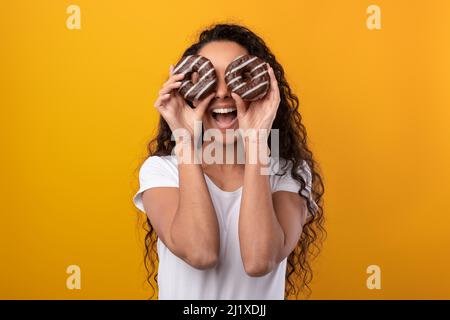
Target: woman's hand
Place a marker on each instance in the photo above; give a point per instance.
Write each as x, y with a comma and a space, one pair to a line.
261, 113
174, 109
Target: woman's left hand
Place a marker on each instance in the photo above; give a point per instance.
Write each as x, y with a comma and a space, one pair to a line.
261, 113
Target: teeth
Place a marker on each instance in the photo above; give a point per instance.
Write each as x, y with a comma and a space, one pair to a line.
224, 110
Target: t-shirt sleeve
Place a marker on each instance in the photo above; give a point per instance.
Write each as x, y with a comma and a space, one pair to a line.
288, 183
154, 172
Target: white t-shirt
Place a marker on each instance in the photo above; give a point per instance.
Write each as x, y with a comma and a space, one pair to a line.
228, 279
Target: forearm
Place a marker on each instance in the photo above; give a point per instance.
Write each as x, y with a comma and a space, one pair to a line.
260, 234
195, 228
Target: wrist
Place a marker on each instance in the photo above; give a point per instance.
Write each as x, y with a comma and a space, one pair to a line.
257, 151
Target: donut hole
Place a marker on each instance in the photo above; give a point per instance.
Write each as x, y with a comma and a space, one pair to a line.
195, 77
246, 76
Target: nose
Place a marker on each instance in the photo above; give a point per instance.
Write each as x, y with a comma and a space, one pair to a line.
222, 91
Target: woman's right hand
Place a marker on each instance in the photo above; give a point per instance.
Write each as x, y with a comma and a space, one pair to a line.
174, 109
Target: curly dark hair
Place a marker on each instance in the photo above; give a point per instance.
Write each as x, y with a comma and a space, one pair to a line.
292, 147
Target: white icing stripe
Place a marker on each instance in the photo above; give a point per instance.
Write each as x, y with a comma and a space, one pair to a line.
237, 58
193, 63
203, 65
259, 65
189, 91
242, 84
206, 74
260, 96
259, 74
204, 89
242, 65
186, 94
235, 79
183, 84
255, 88
181, 64
199, 81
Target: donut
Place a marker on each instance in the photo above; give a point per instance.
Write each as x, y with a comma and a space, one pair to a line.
207, 79
248, 77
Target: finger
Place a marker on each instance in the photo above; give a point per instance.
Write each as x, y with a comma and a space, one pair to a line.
170, 70
204, 103
274, 90
240, 104
169, 87
179, 98
268, 95
274, 82
160, 101
174, 78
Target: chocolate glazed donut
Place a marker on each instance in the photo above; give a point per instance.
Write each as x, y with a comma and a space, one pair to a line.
248, 76
207, 79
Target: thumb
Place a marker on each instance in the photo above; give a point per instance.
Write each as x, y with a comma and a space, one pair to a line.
201, 107
240, 105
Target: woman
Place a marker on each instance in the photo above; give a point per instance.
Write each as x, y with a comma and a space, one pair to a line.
226, 231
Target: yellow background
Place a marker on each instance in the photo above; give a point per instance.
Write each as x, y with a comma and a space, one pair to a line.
77, 112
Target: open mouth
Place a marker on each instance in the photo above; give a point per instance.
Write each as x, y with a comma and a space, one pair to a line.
224, 117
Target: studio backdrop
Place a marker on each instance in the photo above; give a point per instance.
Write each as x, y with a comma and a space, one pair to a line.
78, 80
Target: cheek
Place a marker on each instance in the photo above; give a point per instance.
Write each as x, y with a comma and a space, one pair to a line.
207, 121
